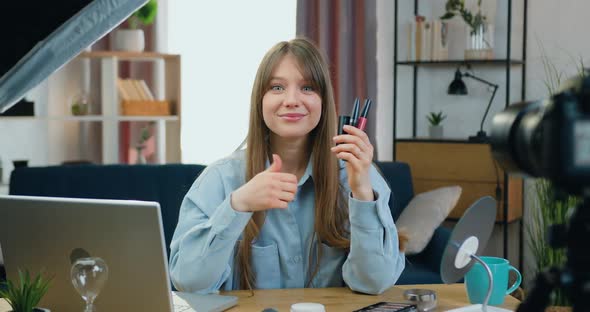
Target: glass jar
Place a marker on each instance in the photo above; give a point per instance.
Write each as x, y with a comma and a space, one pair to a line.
80, 104
480, 42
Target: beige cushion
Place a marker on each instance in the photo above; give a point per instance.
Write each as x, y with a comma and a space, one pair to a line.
424, 213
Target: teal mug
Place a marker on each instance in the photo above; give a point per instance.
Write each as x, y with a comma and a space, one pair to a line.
476, 280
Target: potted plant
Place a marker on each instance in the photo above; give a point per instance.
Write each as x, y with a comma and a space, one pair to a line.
133, 39
549, 210
436, 129
80, 104
479, 43
144, 136
26, 296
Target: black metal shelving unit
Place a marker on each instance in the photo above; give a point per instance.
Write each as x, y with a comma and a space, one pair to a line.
507, 63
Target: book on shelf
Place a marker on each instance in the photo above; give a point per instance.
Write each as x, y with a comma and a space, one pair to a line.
440, 41
411, 44
132, 85
134, 90
420, 38
427, 40
123, 94
146, 91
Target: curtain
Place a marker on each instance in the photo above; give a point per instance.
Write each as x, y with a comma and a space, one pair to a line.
346, 32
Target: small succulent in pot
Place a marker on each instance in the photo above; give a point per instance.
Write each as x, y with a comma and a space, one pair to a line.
436, 119
25, 296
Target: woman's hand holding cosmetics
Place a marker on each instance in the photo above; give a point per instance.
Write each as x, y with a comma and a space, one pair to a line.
354, 147
269, 189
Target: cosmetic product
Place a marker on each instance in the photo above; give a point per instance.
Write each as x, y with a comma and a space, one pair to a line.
355, 113
342, 121
424, 299
362, 122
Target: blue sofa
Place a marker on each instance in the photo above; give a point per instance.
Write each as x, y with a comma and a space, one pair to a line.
167, 184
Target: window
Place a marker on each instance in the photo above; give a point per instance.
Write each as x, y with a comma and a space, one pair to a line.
221, 45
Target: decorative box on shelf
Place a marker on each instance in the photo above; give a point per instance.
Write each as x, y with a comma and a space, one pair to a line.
145, 108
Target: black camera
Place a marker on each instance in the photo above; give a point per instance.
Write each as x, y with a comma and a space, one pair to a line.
551, 139
548, 138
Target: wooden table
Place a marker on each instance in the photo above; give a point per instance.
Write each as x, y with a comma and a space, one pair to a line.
343, 299
339, 299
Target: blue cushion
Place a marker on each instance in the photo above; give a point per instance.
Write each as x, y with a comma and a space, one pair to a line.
418, 273
399, 178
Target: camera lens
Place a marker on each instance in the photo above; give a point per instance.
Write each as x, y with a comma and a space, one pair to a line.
513, 139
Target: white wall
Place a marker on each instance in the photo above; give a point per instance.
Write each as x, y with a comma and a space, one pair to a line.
21, 138
24, 138
559, 27
222, 43
384, 113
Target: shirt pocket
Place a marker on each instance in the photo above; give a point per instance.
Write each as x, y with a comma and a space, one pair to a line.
265, 263
330, 272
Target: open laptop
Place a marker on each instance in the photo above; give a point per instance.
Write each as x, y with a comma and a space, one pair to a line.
40, 233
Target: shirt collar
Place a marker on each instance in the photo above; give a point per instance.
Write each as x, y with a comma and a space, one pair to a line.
307, 174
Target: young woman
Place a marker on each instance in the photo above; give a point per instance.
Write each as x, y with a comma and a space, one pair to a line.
300, 206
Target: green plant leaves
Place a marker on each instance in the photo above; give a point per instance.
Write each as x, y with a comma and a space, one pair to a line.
447, 15
457, 7
435, 119
549, 210
25, 296
147, 13
144, 15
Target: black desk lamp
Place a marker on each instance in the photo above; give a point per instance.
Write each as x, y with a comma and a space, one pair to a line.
457, 87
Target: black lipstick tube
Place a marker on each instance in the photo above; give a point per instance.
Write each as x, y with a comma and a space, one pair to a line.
355, 113
342, 121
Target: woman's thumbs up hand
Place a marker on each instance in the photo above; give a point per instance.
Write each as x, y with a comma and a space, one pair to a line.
267, 190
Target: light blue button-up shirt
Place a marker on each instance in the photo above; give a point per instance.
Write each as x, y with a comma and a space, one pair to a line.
206, 238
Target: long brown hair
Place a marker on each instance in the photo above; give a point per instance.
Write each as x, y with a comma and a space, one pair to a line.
331, 215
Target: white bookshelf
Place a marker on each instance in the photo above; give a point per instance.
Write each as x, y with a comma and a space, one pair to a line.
167, 128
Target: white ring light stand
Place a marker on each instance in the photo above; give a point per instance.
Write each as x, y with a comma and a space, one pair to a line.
467, 241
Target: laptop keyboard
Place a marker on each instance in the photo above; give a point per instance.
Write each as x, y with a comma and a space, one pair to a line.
180, 305
182, 308
182, 302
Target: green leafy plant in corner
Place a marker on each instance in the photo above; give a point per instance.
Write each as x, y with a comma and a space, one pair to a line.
549, 210
457, 7
436, 119
145, 15
551, 207
25, 296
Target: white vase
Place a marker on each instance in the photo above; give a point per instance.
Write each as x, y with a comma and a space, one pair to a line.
436, 132
140, 157
129, 40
